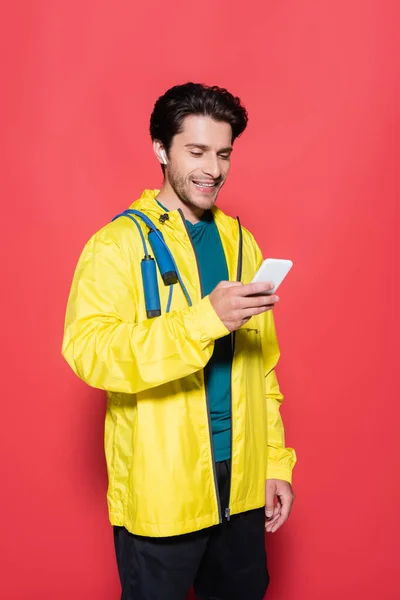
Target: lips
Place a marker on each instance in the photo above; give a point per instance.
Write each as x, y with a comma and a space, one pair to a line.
206, 184
205, 187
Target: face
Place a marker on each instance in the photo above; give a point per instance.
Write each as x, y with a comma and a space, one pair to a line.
199, 160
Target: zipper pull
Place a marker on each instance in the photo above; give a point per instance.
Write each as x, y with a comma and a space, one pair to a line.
228, 514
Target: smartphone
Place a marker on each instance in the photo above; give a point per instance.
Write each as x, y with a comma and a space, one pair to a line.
273, 269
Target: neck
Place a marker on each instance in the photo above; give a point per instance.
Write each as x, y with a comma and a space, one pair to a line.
170, 200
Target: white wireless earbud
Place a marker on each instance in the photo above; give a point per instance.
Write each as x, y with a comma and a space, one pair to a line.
163, 156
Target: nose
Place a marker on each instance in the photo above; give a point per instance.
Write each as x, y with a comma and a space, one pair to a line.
212, 167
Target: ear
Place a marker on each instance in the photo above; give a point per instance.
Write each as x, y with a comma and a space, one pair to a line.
160, 153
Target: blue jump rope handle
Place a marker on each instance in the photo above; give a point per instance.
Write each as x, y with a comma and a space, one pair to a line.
150, 285
163, 258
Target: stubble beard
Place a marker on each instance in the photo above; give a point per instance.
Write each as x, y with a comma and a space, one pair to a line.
181, 187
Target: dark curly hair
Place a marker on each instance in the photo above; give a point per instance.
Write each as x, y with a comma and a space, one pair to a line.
181, 101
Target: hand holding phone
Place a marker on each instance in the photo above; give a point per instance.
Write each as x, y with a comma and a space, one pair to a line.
235, 303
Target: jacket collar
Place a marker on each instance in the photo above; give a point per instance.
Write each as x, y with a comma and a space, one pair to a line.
228, 227
147, 203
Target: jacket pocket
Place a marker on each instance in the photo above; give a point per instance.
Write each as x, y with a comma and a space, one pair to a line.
248, 339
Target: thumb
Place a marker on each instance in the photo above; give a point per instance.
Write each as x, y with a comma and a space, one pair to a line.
269, 500
227, 284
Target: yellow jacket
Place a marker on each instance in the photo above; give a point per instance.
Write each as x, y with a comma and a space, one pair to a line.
157, 432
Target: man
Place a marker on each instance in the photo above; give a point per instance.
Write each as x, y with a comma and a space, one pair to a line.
194, 440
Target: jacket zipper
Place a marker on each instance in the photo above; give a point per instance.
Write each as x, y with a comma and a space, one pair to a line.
238, 278
205, 387
238, 272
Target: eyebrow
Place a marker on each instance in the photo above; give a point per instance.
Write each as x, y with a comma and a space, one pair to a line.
205, 148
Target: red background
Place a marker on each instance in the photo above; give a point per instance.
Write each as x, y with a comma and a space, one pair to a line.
313, 178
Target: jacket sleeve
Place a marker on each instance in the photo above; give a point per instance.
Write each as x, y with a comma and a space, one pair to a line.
108, 349
281, 460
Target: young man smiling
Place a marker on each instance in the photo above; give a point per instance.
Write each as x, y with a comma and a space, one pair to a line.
194, 439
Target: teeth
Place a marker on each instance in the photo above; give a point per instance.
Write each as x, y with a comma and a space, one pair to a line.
204, 184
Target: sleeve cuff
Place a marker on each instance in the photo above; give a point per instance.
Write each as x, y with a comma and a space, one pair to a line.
207, 322
281, 464
277, 472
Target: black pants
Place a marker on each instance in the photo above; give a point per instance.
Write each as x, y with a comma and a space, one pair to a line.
225, 562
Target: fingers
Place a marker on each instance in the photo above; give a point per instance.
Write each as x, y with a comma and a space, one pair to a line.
247, 313
234, 307
239, 299
250, 289
277, 513
285, 503
249, 306
277, 523
272, 527
256, 301
227, 284
269, 523
270, 514
269, 501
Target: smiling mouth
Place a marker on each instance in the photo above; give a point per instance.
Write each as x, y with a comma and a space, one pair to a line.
205, 186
